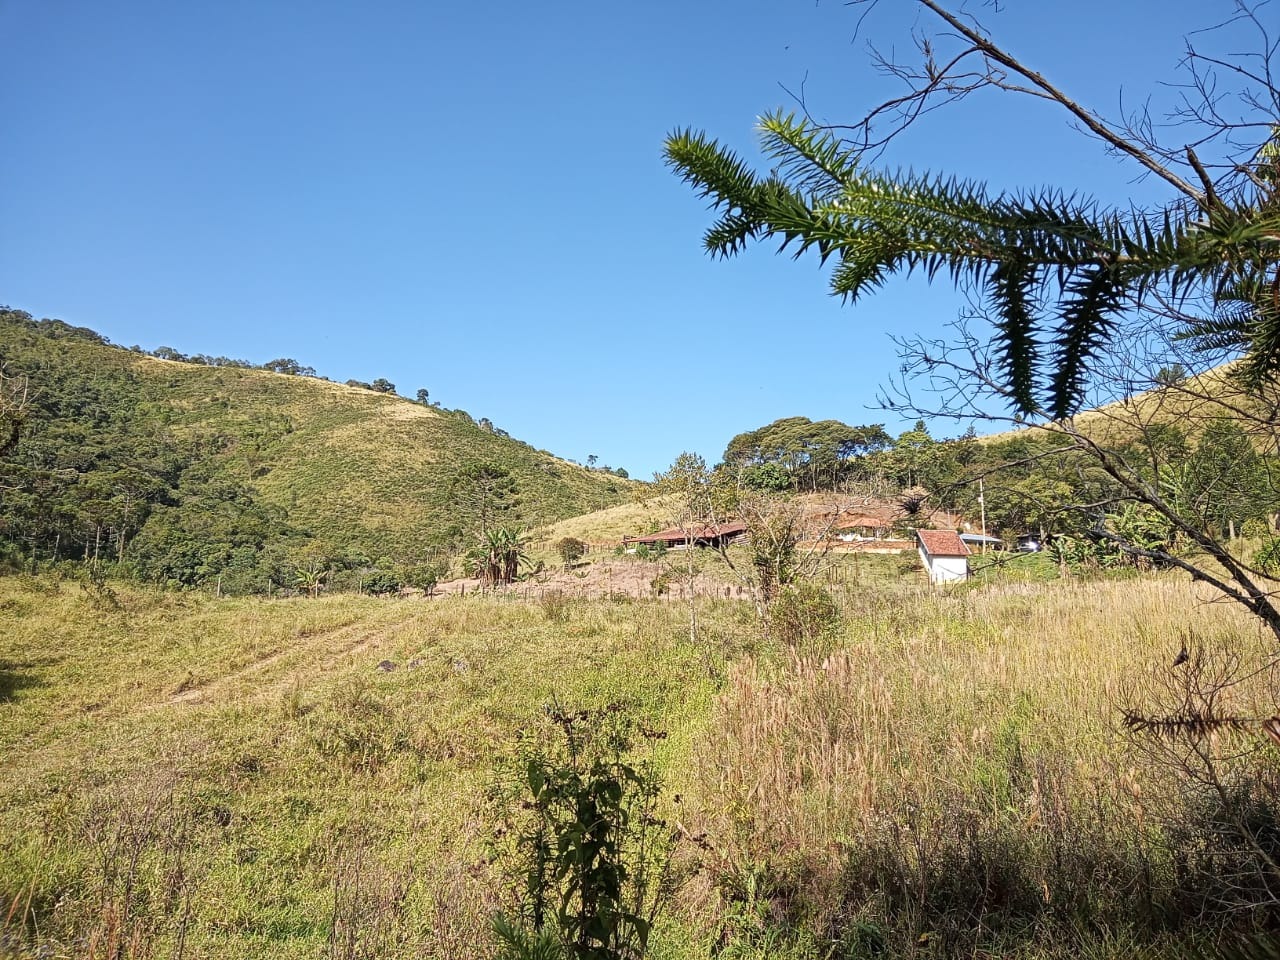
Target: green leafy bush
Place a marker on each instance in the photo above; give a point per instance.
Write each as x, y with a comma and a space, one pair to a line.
591, 859
381, 582
804, 614
570, 549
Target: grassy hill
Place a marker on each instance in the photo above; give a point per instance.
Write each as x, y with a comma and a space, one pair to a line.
1190, 403
351, 463
608, 526
128, 458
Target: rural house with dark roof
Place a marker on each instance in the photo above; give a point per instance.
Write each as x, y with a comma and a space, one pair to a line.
700, 535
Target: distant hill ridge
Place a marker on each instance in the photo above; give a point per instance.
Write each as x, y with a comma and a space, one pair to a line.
188, 471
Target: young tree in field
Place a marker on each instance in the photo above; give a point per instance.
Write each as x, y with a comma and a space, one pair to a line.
1082, 302
570, 550
775, 527
688, 483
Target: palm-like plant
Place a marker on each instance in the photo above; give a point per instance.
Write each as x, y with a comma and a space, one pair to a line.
311, 578
1055, 271
501, 553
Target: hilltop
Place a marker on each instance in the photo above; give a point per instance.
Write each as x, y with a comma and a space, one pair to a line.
189, 471
1187, 401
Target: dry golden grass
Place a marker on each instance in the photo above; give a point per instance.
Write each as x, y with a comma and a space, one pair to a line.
607, 527
999, 706
1191, 406
949, 765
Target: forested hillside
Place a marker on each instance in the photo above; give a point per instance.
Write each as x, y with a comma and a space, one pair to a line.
188, 473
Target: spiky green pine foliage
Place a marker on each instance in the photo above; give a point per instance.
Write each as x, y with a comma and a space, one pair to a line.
1055, 271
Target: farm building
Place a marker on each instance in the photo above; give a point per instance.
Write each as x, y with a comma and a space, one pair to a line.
700, 535
944, 555
863, 527
981, 541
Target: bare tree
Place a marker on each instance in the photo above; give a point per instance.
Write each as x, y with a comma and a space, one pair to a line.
688, 486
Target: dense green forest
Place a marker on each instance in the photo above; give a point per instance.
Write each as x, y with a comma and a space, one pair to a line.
189, 471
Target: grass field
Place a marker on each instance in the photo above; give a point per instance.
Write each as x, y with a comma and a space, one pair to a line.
940, 774
270, 730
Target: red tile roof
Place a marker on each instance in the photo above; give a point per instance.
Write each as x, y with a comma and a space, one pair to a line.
943, 543
863, 520
699, 532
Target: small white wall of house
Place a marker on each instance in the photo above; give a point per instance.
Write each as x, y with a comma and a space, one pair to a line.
945, 569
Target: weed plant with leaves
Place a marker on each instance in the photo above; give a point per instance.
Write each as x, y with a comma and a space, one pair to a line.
587, 852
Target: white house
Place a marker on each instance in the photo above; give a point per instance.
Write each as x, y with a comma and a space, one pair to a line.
944, 555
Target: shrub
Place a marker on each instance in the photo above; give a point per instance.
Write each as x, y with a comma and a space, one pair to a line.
424, 576
1267, 559
591, 858
381, 582
570, 549
803, 614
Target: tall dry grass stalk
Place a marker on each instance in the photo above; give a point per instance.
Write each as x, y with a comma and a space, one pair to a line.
957, 766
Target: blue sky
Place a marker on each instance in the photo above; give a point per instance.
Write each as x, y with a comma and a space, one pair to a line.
471, 197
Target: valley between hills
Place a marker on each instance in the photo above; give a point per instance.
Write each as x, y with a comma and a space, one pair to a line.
293, 669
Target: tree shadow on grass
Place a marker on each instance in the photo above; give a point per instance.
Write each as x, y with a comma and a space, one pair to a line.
18, 675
